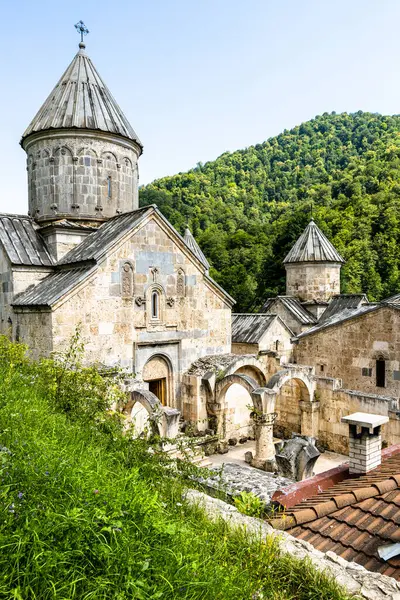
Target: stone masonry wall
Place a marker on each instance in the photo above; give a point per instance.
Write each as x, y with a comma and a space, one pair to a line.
354, 345
313, 281
336, 403
77, 175
14, 280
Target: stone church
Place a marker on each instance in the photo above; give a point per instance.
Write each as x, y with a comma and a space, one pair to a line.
86, 255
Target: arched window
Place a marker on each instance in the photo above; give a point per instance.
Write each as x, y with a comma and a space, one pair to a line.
109, 187
155, 305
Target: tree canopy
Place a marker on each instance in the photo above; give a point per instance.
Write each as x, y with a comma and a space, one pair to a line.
247, 208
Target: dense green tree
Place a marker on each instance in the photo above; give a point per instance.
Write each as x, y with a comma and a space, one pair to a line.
247, 208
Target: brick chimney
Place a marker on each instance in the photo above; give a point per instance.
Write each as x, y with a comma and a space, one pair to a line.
365, 442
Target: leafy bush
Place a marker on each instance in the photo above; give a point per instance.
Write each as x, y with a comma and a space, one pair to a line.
249, 504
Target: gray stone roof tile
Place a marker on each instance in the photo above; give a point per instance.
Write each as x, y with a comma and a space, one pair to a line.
22, 242
294, 306
339, 317
250, 328
195, 248
81, 100
342, 302
97, 243
313, 246
53, 287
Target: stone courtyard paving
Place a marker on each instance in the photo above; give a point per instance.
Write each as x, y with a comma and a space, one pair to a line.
230, 473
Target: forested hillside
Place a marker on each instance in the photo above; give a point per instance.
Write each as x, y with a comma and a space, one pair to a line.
247, 208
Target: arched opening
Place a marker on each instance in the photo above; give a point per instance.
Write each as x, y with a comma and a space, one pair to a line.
288, 408
253, 372
238, 408
157, 372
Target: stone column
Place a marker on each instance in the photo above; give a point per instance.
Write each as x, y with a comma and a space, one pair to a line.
264, 417
265, 449
309, 418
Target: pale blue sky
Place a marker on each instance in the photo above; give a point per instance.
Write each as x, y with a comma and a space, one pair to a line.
198, 78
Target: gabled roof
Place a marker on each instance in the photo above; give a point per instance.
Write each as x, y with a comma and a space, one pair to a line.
83, 258
195, 248
341, 302
353, 518
97, 243
294, 306
340, 317
250, 328
81, 100
22, 243
313, 246
53, 287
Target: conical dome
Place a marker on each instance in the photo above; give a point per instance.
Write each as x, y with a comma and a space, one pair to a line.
195, 248
81, 100
313, 246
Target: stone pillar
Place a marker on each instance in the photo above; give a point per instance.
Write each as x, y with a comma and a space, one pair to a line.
265, 450
364, 441
309, 418
264, 417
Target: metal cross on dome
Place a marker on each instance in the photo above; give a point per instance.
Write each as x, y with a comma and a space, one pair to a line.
82, 29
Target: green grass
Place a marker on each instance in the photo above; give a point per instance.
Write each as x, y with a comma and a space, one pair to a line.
89, 514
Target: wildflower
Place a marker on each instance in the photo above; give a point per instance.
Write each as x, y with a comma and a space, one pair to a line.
96, 492
179, 504
20, 495
46, 473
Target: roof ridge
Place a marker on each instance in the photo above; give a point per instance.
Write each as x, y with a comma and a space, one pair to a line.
310, 509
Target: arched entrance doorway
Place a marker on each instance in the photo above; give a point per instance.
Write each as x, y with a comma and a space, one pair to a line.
157, 372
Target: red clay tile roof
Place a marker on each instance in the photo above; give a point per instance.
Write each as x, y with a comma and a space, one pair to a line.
353, 518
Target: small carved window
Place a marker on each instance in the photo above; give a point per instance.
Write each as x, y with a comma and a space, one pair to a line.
109, 187
180, 283
366, 372
155, 305
127, 280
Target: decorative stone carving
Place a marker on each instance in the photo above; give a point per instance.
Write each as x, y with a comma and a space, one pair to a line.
296, 458
155, 273
139, 300
180, 283
170, 302
127, 280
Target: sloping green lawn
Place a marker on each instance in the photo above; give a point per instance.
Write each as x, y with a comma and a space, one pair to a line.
87, 513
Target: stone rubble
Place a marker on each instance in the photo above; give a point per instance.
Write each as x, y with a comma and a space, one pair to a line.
353, 577
232, 479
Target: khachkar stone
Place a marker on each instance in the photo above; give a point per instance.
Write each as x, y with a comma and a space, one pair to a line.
82, 153
313, 267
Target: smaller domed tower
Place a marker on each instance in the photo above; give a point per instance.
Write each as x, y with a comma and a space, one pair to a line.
313, 267
82, 153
